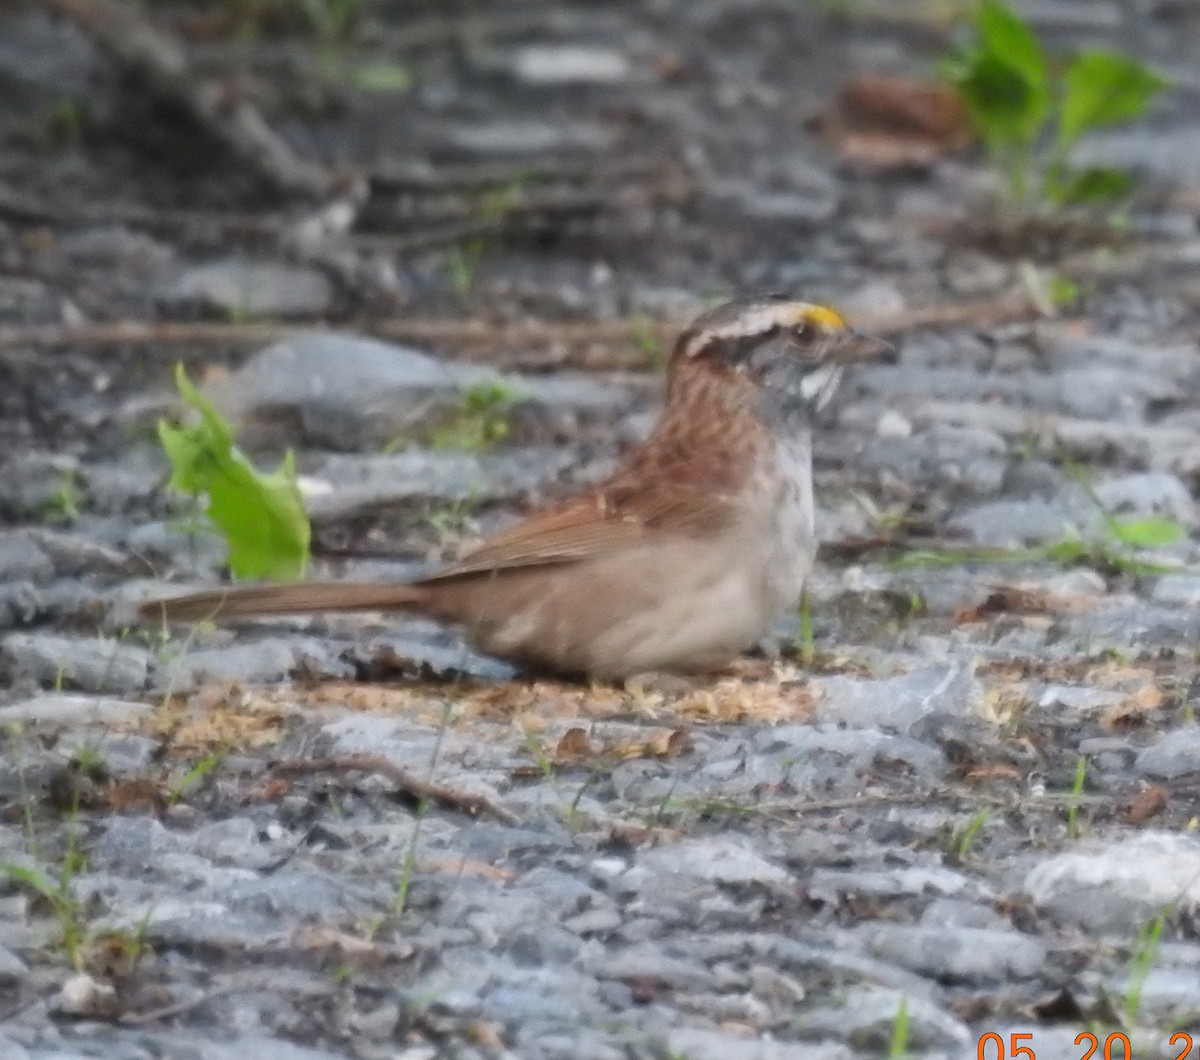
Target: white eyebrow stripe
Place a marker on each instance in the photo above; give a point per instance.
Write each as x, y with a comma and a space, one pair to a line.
759, 321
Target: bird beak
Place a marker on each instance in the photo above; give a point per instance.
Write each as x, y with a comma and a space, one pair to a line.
860, 346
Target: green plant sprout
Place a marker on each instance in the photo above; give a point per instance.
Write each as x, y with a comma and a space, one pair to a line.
482, 419
57, 893
1073, 826
1145, 951
646, 339
260, 516
1116, 548
62, 506
898, 1048
198, 772
808, 645
1030, 119
964, 837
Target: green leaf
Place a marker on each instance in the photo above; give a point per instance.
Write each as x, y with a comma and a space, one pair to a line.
1150, 532
1095, 185
1068, 550
1003, 81
261, 516
1000, 102
1102, 88
1063, 292
1009, 40
381, 77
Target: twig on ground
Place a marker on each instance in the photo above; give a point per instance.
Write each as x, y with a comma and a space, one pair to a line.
179, 1008
448, 798
160, 67
31, 209
604, 345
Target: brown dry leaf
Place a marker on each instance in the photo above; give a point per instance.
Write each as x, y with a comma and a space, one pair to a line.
487, 1035
677, 743
887, 122
760, 701
1150, 803
218, 718
574, 743
137, 793
1132, 713
635, 833
269, 791
994, 771
1019, 600
320, 938
464, 867
663, 743
1003, 704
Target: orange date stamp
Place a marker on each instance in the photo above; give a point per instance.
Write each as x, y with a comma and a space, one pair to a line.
1114, 1046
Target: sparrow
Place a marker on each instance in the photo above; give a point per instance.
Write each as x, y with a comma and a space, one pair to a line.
678, 562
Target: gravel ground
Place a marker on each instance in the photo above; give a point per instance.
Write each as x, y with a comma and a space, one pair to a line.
968, 809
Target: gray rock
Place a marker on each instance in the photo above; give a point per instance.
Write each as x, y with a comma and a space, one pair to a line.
1175, 363
1114, 394
130, 481
570, 64
339, 390
23, 559
74, 554
866, 1017
29, 301
201, 552
298, 894
346, 392
714, 860
971, 273
1171, 153
1148, 493
917, 881
788, 207
20, 603
1116, 887
649, 959
1181, 589
1015, 523
90, 664
817, 758
249, 288
696, 1043
135, 843
123, 754
136, 256
530, 137
266, 660
973, 956
1167, 997
12, 969
899, 703
1076, 698
953, 913
11, 1050
1174, 754
831, 961
1146, 446
355, 485
259, 1046
61, 710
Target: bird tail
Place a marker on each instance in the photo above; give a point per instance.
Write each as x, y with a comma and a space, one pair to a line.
282, 599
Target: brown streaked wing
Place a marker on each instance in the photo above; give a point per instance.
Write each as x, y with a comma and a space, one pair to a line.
608, 519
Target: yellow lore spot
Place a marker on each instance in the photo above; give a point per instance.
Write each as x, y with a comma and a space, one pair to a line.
822, 316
